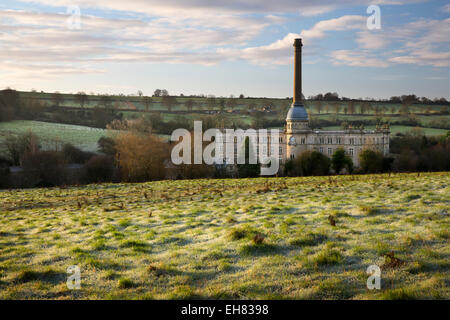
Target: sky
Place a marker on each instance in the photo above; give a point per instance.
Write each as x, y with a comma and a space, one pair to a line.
226, 47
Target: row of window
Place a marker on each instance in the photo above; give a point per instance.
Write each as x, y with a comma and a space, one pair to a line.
338, 140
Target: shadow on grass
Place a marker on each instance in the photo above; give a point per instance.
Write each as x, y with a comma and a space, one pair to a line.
49, 276
258, 249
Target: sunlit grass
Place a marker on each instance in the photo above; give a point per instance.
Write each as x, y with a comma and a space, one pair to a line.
227, 239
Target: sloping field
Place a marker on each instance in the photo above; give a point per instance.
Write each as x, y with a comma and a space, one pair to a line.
237, 239
401, 129
54, 134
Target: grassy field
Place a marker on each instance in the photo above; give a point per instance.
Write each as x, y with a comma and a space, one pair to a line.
53, 135
237, 239
401, 129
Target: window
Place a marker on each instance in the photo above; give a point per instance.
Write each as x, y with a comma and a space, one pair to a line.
292, 156
280, 150
350, 151
338, 140
280, 139
330, 151
321, 149
330, 140
303, 140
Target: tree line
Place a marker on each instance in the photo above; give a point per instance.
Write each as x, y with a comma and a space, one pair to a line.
403, 99
137, 156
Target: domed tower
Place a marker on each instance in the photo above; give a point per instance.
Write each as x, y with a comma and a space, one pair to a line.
297, 121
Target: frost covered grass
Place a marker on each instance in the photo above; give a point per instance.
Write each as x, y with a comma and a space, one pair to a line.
230, 239
53, 134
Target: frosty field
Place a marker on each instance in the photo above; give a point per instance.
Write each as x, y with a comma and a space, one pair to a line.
230, 239
53, 135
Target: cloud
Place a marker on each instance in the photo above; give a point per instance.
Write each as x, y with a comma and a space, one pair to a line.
446, 8
42, 40
424, 57
198, 32
371, 40
421, 42
339, 24
356, 59
280, 51
177, 8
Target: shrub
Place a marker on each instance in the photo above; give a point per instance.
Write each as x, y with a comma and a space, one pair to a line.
73, 154
248, 170
99, 168
371, 161
340, 160
141, 157
5, 180
309, 163
45, 168
10, 104
107, 145
18, 146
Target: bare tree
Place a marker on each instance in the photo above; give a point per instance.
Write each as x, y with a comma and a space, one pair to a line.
147, 102
336, 107
351, 107
9, 104
141, 157
17, 146
318, 106
81, 98
57, 99
231, 102
106, 101
169, 102
189, 104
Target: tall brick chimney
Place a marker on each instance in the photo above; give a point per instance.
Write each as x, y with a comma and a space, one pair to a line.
298, 71
297, 112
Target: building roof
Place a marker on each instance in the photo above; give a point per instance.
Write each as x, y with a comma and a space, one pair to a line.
297, 112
